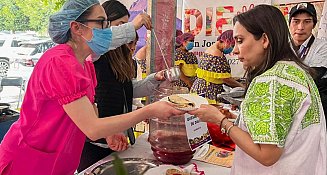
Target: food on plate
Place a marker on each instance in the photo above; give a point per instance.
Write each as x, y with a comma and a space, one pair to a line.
173, 171
180, 101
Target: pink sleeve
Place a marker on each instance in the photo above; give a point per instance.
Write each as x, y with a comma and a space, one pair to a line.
64, 79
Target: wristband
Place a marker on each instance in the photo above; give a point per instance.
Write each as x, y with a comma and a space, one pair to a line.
228, 129
221, 122
223, 129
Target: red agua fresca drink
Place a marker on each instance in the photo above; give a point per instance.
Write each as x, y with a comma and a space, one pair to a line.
169, 143
168, 138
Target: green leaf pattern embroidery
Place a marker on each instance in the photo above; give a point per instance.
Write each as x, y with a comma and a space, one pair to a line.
270, 104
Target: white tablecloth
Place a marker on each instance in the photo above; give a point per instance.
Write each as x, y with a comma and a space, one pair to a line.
142, 149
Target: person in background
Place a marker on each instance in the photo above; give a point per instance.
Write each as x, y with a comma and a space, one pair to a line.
312, 50
58, 112
178, 39
137, 102
186, 61
214, 70
178, 33
140, 57
282, 127
115, 74
132, 45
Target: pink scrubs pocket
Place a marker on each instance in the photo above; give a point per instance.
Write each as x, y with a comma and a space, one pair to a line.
29, 161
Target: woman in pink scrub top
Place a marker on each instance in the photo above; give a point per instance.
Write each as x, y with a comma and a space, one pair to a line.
58, 112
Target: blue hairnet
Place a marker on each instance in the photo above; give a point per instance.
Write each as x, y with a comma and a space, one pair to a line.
59, 23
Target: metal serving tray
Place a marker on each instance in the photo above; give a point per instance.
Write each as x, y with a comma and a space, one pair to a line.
134, 166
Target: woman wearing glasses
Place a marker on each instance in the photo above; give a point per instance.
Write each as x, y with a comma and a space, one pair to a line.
57, 112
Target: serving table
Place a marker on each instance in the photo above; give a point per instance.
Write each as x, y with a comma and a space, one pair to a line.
142, 149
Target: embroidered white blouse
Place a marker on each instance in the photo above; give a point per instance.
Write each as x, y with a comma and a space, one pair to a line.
282, 107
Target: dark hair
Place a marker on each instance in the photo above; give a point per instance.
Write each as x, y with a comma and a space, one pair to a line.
121, 63
115, 10
135, 40
119, 59
267, 19
136, 36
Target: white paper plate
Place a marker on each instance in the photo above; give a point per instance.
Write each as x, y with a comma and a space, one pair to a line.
197, 100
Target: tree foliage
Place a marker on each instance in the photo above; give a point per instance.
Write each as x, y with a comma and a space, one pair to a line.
58, 4
12, 18
22, 15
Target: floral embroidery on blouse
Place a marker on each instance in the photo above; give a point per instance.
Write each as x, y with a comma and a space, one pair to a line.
274, 98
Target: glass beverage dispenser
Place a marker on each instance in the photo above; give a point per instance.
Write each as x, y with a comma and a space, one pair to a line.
168, 138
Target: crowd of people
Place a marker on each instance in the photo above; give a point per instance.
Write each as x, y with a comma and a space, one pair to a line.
81, 91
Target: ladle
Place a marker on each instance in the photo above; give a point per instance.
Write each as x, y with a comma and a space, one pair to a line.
172, 74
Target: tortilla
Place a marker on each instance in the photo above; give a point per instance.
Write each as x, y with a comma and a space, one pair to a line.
173, 171
180, 101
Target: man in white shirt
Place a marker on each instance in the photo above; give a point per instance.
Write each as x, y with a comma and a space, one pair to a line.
313, 51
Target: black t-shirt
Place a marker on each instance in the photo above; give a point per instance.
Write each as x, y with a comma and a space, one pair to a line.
109, 92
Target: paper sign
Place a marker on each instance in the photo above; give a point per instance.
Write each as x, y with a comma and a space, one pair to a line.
197, 132
214, 155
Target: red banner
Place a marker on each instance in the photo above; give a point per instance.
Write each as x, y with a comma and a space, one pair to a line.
163, 14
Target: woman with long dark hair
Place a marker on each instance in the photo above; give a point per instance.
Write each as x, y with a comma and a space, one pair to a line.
282, 124
115, 74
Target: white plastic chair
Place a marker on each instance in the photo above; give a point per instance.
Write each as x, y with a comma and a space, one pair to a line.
14, 81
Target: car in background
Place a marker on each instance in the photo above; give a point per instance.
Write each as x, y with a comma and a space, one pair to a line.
8, 44
29, 52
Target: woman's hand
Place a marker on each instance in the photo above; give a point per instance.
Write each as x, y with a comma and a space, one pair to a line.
208, 113
117, 142
159, 76
142, 19
163, 110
